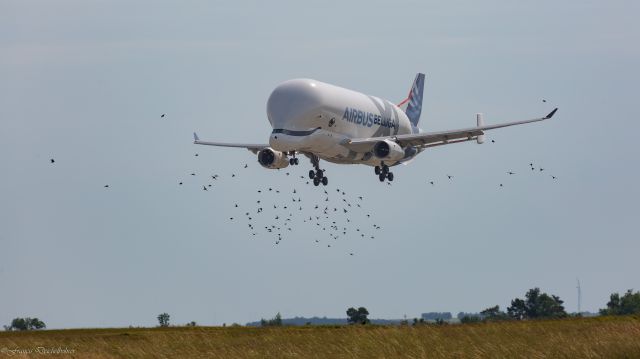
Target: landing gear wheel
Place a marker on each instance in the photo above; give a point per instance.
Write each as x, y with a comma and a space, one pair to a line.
385, 169
312, 174
291, 161
319, 174
316, 181
390, 176
295, 161
377, 170
325, 181
382, 176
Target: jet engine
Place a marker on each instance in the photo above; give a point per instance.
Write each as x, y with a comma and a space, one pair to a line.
270, 158
388, 150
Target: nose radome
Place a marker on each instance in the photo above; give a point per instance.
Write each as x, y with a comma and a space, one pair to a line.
293, 100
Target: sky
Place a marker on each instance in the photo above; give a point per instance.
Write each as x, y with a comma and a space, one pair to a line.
85, 83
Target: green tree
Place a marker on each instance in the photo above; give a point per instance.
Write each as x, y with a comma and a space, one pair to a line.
19, 324
275, 322
163, 319
629, 303
358, 316
36, 323
26, 324
493, 313
518, 309
536, 305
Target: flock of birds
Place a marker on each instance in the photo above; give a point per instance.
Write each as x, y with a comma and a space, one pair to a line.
328, 218
510, 173
278, 213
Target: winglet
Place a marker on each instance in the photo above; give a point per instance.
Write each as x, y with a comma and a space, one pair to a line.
551, 114
195, 137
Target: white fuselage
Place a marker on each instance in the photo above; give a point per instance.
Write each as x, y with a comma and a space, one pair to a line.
315, 117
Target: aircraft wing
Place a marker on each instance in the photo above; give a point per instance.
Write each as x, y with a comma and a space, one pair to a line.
429, 139
249, 146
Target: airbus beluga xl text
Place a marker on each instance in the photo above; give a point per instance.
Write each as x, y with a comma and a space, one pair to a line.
323, 121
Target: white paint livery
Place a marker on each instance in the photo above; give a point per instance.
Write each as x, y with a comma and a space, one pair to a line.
324, 121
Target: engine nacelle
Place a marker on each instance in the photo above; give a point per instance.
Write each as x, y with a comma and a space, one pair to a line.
270, 158
388, 150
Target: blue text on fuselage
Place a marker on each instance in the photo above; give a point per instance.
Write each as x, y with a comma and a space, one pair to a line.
367, 118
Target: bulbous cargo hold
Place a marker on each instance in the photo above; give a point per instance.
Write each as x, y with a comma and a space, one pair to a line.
301, 105
272, 159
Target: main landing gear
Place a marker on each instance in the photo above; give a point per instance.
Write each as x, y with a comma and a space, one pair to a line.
318, 175
383, 172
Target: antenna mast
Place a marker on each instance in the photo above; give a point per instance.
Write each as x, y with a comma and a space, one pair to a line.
579, 296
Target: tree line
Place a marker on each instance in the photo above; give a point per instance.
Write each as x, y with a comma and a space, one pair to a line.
539, 305
534, 305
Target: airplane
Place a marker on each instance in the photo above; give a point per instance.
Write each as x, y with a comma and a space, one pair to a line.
338, 125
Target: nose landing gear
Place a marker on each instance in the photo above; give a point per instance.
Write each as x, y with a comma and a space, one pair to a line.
294, 160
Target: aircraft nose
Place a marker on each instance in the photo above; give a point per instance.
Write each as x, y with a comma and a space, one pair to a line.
292, 101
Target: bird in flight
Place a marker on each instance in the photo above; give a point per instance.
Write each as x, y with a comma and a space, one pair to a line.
162, 116
52, 160
511, 173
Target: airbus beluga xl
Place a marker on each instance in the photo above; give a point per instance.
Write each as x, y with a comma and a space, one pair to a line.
323, 121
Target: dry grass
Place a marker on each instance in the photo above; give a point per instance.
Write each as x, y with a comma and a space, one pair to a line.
571, 338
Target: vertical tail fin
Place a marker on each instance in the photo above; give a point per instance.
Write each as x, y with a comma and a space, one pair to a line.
412, 105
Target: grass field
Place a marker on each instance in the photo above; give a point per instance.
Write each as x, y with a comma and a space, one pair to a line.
606, 337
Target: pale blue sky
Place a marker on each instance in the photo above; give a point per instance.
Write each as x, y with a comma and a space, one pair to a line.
85, 82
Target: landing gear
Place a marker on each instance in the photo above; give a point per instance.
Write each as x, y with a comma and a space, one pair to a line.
318, 175
293, 160
383, 172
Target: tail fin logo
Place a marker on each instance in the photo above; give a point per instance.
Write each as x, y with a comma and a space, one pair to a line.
414, 107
